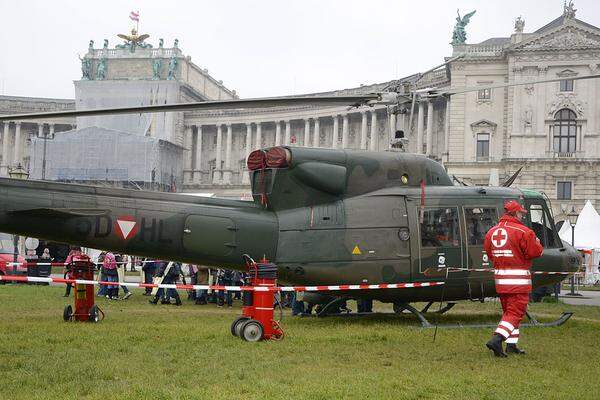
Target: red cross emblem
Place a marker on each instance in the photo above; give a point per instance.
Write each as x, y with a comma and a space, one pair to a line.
499, 237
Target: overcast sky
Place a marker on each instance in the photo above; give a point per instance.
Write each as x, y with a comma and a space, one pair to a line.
259, 48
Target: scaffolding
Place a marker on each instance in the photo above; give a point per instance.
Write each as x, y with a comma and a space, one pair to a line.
103, 156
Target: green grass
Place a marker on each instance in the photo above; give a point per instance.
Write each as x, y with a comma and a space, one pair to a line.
159, 352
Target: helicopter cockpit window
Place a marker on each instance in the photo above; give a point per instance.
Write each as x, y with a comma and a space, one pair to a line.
541, 225
478, 222
440, 228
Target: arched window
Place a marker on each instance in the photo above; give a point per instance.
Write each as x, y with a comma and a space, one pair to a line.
565, 131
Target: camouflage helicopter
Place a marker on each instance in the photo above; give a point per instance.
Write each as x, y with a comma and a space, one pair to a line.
323, 216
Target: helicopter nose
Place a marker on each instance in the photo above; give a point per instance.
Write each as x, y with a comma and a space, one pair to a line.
571, 260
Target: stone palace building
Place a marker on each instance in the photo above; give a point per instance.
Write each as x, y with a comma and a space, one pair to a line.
551, 129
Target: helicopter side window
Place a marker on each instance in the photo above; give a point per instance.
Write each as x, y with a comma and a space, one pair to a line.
440, 228
541, 225
478, 222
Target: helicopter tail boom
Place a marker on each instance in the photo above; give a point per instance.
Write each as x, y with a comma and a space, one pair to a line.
171, 226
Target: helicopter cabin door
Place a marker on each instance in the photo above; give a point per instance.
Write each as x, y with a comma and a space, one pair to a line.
440, 240
478, 221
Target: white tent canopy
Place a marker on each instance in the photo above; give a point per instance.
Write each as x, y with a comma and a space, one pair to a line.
587, 229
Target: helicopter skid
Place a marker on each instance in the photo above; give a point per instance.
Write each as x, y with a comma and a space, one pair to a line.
399, 308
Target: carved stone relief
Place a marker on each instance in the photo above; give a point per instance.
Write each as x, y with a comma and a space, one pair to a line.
566, 100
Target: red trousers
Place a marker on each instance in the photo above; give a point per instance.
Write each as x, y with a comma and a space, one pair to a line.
514, 307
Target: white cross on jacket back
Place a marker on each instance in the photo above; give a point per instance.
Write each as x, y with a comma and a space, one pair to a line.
511, 246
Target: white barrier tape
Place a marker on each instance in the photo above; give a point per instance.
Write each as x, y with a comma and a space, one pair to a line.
63, 264
319, 288
452, 269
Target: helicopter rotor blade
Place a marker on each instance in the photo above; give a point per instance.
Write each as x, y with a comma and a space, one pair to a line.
353, 100
441, 92
511, 180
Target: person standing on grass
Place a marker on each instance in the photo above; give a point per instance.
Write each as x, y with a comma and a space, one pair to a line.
121, 269
511, 246
110, 270
171, 278
202, 279
149, 268
103, 290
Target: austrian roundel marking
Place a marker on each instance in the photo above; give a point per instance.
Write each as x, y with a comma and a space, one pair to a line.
126, 227
499, 237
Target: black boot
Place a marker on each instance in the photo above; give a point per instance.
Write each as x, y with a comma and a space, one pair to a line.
154, 300
511, 348
495, 345
177, 300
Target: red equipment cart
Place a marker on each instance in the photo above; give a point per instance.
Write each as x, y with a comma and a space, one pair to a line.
85, 310
256, 322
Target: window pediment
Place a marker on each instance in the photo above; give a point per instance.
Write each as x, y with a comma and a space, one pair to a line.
483, 126
569, 36
566, 73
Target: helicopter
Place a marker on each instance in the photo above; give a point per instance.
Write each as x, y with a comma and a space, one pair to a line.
323, 216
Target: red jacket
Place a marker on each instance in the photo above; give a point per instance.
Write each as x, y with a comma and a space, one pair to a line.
511, 246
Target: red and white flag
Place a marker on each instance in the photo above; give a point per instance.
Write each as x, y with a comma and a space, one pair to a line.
134, 15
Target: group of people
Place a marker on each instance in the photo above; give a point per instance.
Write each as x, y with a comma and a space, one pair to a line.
171, 273
108, 264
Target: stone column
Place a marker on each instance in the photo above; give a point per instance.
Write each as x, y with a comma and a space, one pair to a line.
227, 173
316, 134
374, 134
288, 133
306, 132
198, 173
246, 174
392, 134
402, 124
446, 155
345, 131
429, 128
51, 133
420, 121
5, 134
187, 143
217, 174
363, 131
17, 149
277, 133
336, 128
248, 139
258, 135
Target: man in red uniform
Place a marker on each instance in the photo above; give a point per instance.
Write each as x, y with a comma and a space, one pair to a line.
511, 246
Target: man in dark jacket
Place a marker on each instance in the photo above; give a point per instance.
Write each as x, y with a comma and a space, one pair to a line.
225, 279
171, 272
149, 268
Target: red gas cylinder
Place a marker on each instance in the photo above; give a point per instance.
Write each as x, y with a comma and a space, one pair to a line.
82, 268
256, 322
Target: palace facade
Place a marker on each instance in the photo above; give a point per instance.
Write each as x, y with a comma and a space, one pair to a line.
550, 129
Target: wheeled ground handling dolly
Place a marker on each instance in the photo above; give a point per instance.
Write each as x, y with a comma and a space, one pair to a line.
256, 322
85, 310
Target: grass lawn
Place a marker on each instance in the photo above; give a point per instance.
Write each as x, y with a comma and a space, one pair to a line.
160, 352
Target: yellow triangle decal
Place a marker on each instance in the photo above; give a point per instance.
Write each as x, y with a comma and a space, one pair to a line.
356, 251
